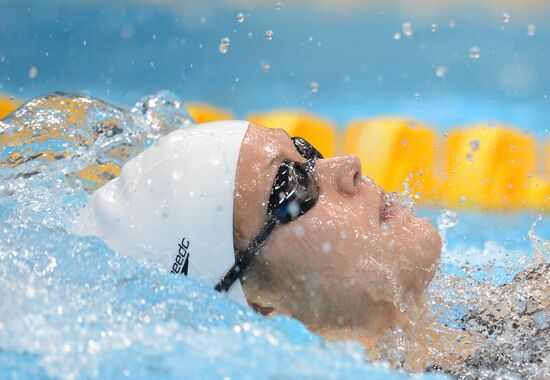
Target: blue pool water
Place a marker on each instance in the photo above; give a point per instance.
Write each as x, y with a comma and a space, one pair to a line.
72, 308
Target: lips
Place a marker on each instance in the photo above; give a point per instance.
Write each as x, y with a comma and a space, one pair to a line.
388, 206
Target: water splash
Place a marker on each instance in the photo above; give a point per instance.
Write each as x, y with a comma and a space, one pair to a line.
502, 331
541, 247
447, 219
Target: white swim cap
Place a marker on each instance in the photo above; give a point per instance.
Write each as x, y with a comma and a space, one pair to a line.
173, 204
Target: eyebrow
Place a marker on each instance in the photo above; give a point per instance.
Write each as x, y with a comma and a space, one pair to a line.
278, 156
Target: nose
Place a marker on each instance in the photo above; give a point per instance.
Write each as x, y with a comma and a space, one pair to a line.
344, 171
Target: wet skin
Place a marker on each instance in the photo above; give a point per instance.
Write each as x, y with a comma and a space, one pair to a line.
354, 260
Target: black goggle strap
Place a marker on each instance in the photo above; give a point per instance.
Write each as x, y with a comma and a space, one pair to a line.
244, 258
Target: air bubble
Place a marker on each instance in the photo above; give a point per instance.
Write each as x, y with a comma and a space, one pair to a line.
531, 30
505, 18
279, 6
474, 145
475, 52
265, 66
397, 36
434, 28
240, 17
224, 45
327, 247
268, 35
417, 95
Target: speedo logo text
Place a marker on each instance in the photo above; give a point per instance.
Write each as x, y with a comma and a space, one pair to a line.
181, 263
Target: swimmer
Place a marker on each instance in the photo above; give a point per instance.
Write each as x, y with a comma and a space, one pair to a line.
266, 219
237, 205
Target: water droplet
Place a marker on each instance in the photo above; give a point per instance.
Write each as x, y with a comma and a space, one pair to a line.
224, 45
240, 17
269, 35
397, 36
441, 71
314, 87
265, 66
368, 179
127, 31
531, 30
475, 52
33, 72
505, 18
474, 145
407, 29
434, 28
294, 209
327, 247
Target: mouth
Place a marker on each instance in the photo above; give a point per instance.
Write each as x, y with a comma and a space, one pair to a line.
389, 207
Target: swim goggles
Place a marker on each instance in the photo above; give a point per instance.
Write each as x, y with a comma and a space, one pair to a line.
294, 192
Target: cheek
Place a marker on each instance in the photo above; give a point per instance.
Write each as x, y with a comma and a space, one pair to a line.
314, 248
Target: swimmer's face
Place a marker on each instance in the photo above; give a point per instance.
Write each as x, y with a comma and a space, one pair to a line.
345, 256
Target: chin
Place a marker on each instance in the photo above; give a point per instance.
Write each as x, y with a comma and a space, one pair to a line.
433, 242
431, 245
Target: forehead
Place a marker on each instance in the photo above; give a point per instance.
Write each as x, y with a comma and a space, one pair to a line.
265, 148
268, 139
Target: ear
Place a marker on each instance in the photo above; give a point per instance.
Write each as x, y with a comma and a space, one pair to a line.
264, 310
270, 311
